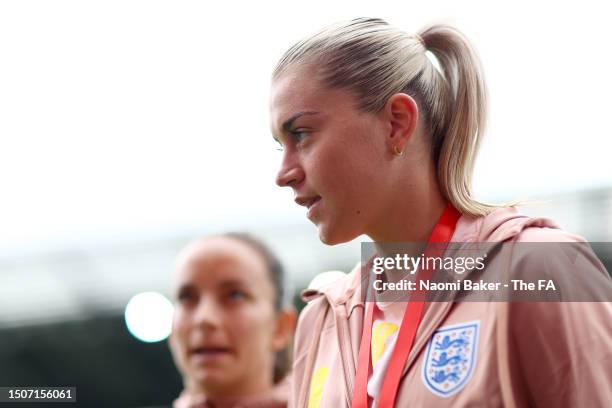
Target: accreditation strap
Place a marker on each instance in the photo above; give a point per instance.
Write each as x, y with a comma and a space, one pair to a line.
441, 234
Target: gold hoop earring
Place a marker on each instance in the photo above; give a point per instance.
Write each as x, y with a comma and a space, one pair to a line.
397, 151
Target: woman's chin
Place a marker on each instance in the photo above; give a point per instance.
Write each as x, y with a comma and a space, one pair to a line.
334, 236
210, 377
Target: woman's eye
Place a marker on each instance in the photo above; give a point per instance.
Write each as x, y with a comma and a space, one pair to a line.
236, 295
185, 297
299, 135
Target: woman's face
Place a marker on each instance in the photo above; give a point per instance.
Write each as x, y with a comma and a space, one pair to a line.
224, 330
335, 156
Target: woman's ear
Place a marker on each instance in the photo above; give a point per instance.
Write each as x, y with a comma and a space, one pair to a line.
402, 113
285, 327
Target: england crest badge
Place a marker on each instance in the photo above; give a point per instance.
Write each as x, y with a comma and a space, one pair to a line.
450, 358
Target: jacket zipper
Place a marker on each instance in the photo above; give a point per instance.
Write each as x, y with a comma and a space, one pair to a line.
343, 340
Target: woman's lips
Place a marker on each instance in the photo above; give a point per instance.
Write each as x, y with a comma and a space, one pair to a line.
312, 207
208, 355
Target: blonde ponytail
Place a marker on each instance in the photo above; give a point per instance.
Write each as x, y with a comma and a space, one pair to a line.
459, 103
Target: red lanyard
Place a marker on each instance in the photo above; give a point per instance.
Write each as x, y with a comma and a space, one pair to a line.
442, 233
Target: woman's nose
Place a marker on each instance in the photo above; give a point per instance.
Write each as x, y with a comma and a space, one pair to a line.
290, 173
207, 313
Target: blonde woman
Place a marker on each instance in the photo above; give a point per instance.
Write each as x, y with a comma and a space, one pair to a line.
379, 131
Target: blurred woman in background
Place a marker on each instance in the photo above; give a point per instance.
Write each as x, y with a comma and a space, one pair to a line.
232, 327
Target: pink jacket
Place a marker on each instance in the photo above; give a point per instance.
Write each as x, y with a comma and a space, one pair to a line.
526, 354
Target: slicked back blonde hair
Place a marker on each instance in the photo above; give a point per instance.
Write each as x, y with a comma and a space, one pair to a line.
375, 60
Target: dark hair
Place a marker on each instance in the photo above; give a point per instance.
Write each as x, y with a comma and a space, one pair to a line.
282, 360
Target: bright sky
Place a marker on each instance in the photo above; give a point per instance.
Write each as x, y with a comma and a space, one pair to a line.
123, 116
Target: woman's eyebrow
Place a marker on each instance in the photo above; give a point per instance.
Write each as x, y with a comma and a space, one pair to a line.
231, 283
289, 122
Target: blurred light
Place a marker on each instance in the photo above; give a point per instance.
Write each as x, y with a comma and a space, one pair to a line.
148, 317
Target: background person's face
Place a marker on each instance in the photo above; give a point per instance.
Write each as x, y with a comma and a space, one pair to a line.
335, 156
224, 321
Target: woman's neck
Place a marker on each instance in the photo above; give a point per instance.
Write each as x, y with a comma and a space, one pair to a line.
255, 385
412, 215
